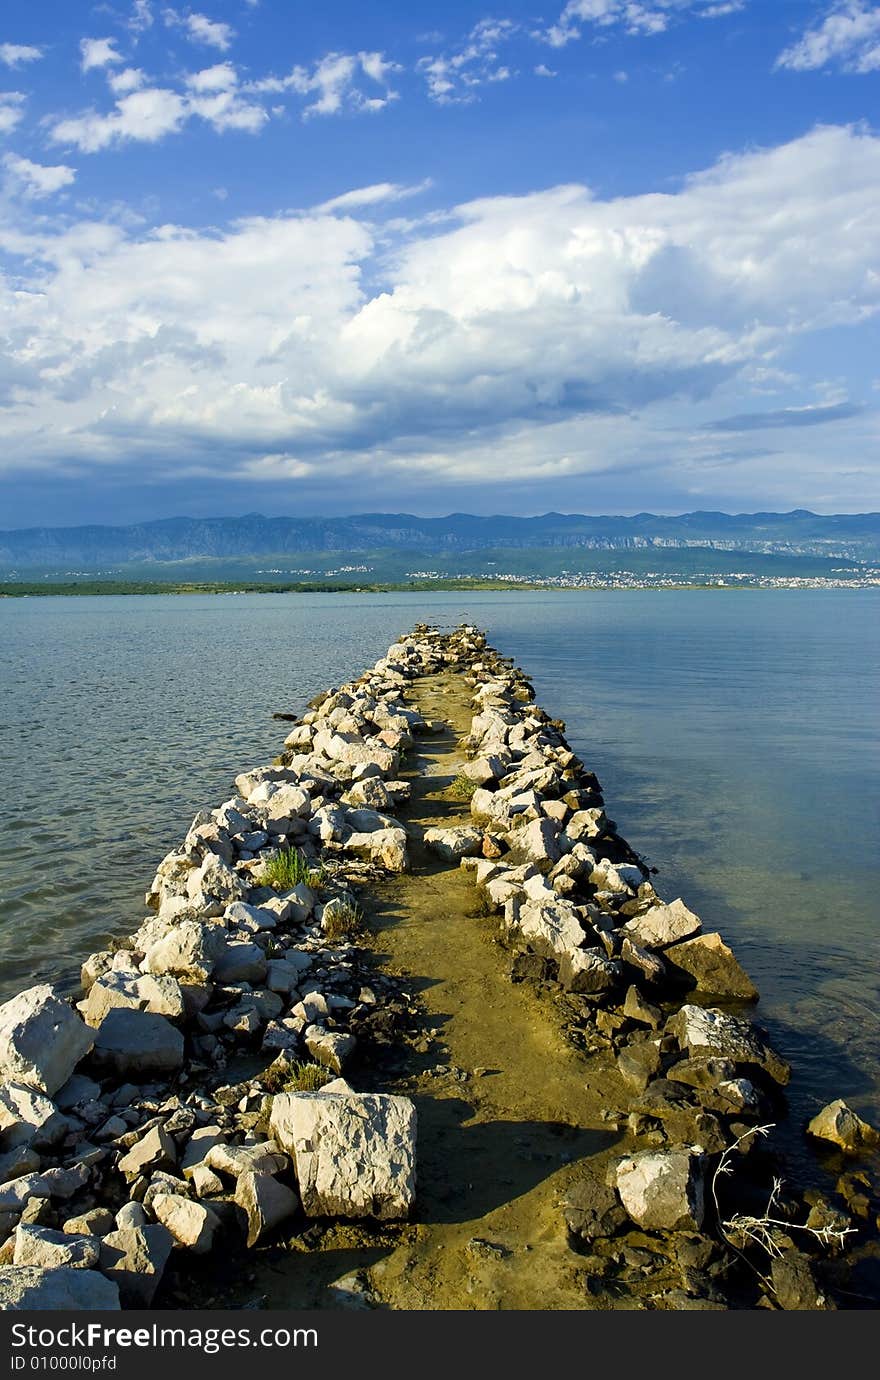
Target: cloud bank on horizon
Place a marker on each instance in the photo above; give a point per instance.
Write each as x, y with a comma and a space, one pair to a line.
251, 257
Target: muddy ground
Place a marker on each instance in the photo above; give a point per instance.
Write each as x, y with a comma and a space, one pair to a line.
507, 1106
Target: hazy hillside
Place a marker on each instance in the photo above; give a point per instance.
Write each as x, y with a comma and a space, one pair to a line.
847, 536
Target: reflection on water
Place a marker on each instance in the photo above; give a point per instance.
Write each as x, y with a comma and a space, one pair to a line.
735, 735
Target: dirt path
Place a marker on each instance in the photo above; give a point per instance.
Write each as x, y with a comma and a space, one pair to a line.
500, 1132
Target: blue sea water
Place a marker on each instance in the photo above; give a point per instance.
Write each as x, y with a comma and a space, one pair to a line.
735, 734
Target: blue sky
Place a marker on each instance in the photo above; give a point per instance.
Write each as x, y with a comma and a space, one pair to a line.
604, 256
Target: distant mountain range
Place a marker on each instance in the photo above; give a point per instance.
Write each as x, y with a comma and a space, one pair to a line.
854, 536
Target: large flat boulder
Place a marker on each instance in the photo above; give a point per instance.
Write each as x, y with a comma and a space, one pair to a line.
26, 1287
705, 1033
42, 1246
132, 1043
663, 1190
41, 1039
190, 948
551, 928
148, 992
454, 844
709, 967
355, 1155
134, 1258
663, 925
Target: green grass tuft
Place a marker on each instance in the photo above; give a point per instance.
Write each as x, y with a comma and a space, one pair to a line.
303, 1076
288, 868
342, 923
462, 787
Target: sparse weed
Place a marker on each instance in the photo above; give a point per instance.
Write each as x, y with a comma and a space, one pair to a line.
303, 1076
745, 1230
343, 921
288, 868
462, 787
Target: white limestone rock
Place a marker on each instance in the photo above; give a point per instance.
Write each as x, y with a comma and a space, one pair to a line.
589, 971
41, 1039
28, 1117
155, 1150
454, 844
191, 1224
257, 917
355, 1156
200, 1142
332, 1048
551, 929
190, 948
240, 963
264, 1158
705, 1033
50, 1249
134, 1259
663, 925
29, 1288
267, 1203
663, 1190
137, 1043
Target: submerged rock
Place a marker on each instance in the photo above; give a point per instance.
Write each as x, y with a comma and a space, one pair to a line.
708, 965
840, 1125
705, 1032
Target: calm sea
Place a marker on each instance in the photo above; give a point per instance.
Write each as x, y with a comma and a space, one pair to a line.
735, 734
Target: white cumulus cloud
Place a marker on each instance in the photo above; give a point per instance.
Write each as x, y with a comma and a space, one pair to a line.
334, 83
14, 54
632, 16
453, 76
98, 52
35, 179
11, 110
214, 33
142, 117
546, 335
221, 77
129, 79
849, 35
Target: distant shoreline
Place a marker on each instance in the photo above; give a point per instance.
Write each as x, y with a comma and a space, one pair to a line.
24, 589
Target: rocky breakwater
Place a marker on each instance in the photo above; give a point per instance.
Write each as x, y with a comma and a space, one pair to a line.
200, 1097
640, 982
128, 1134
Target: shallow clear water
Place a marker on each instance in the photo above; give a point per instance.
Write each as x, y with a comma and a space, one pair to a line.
735, 735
